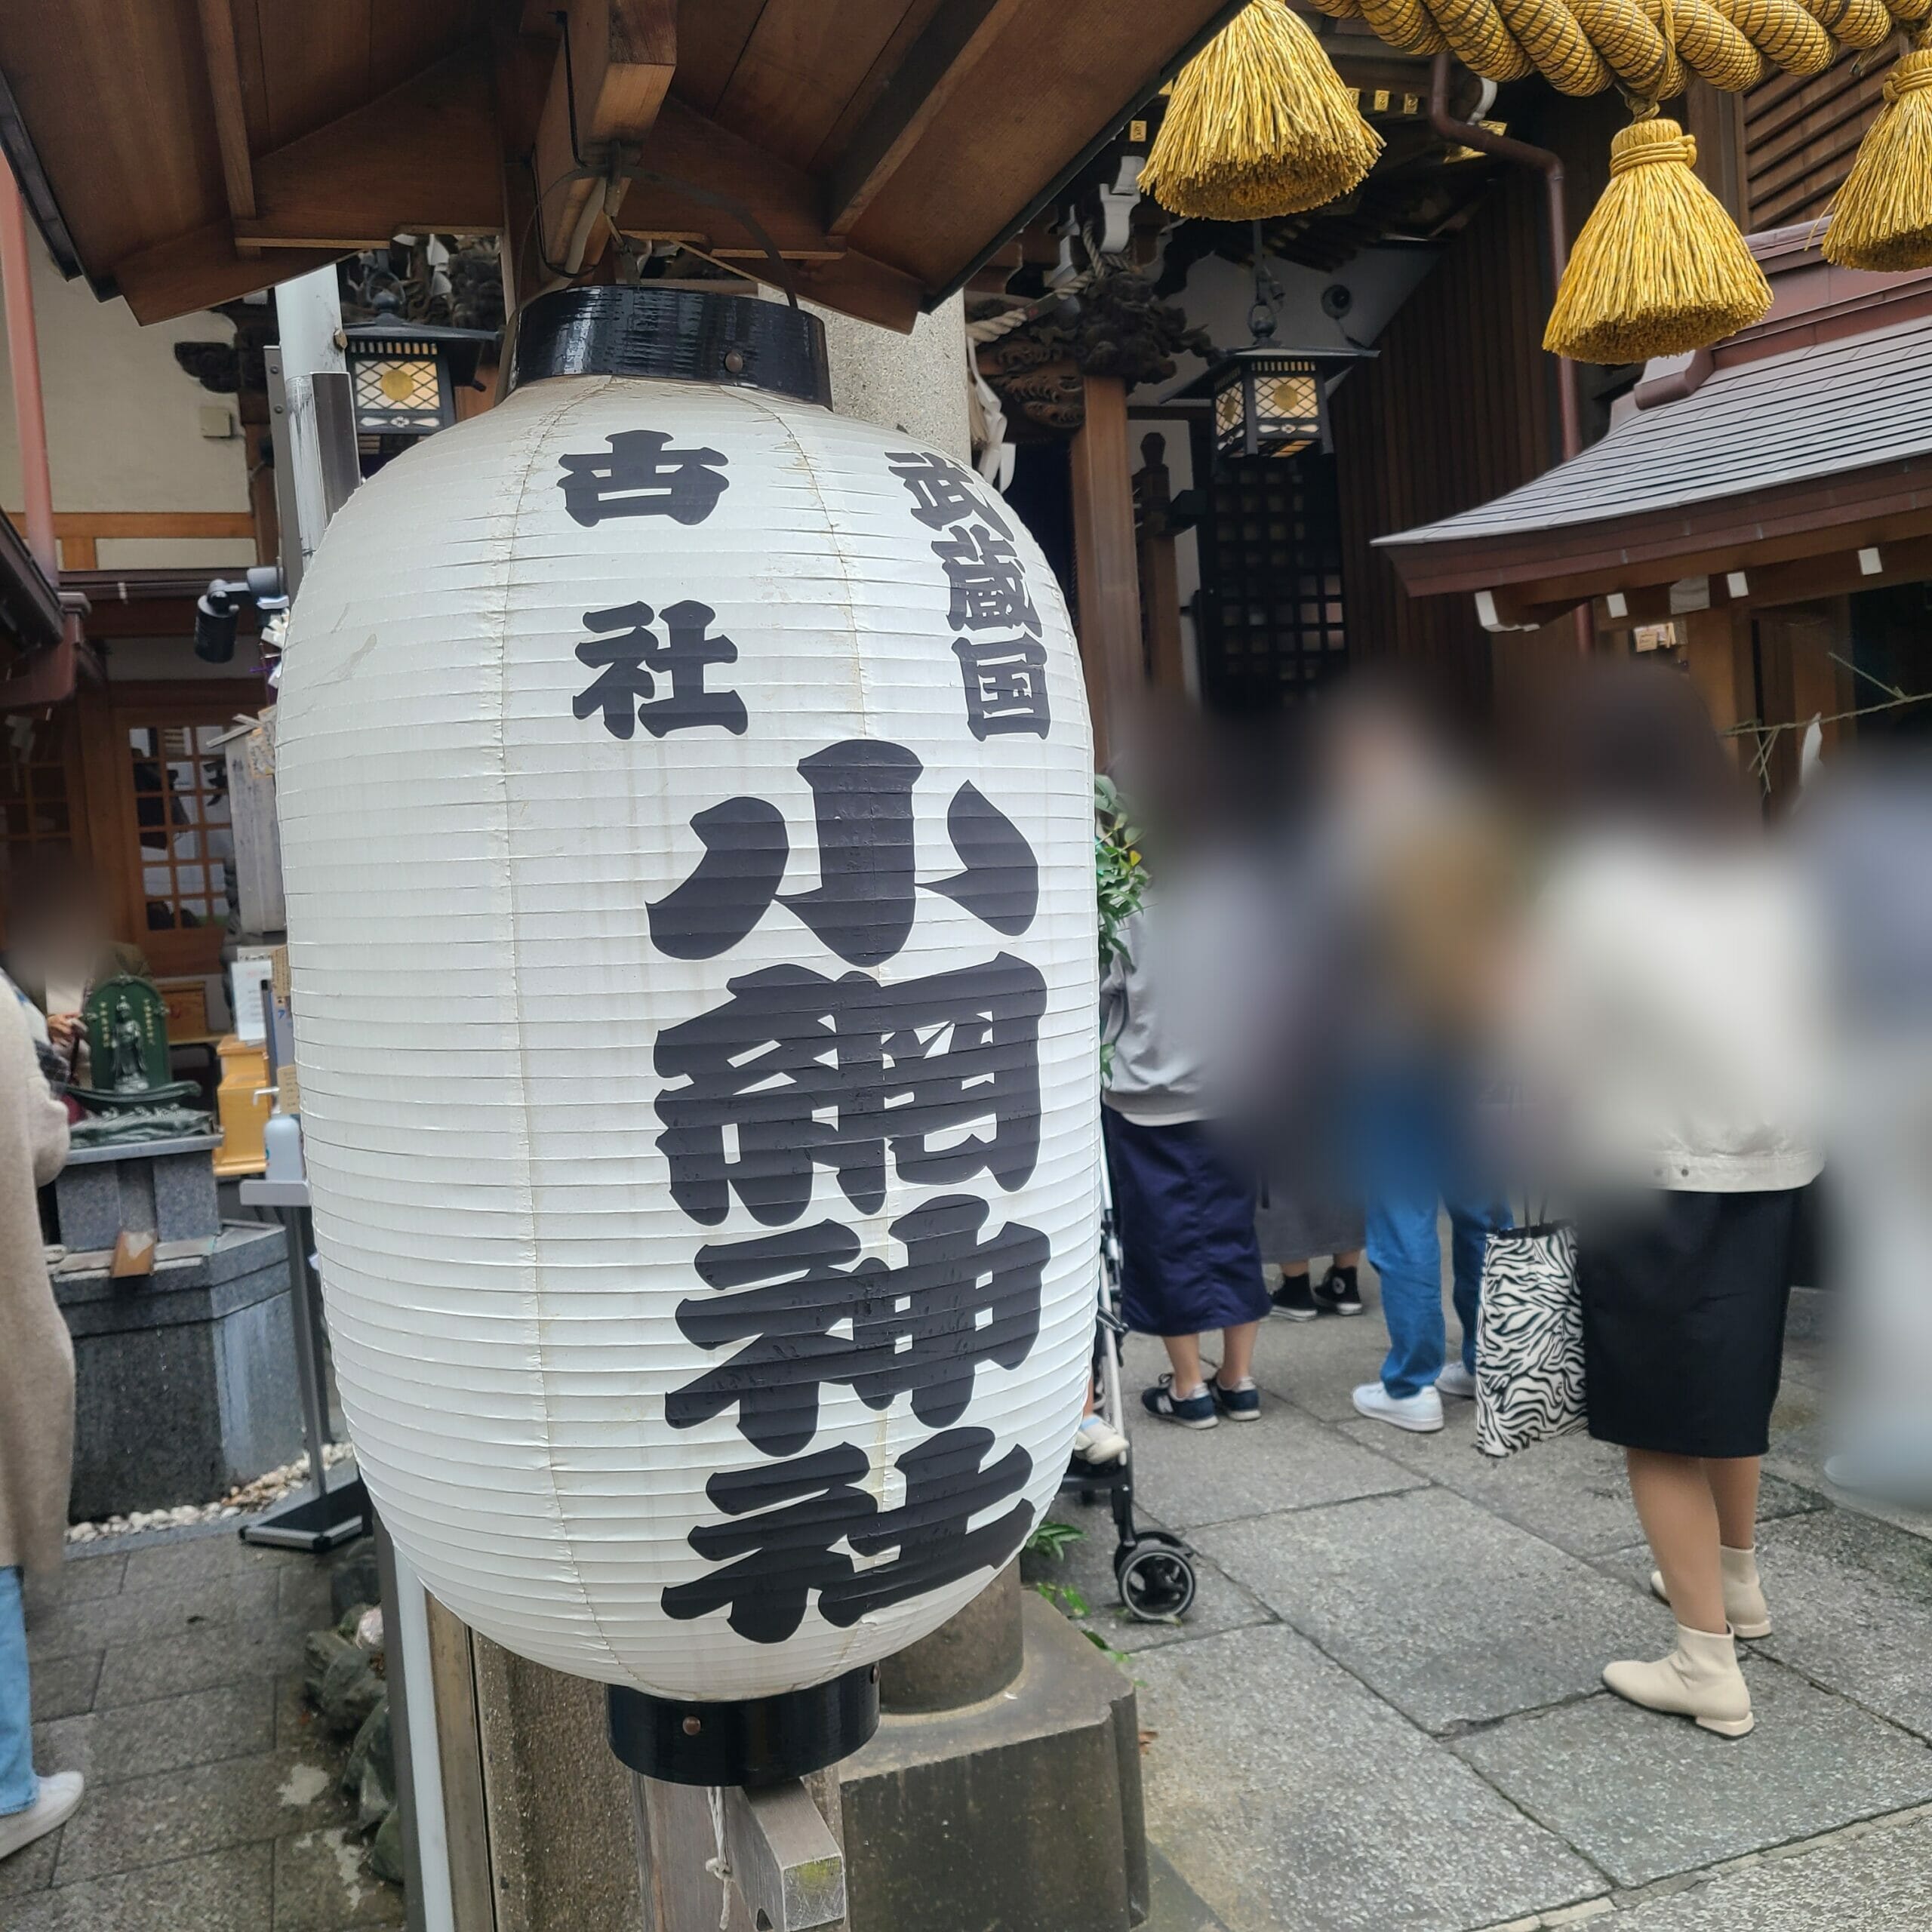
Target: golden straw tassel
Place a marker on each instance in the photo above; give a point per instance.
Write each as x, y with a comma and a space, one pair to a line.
1882, 218
1660, 267
1259, 124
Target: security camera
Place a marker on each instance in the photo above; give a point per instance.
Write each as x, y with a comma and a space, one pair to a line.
218, 609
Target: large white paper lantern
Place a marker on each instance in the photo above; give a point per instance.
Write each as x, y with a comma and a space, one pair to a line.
685, 800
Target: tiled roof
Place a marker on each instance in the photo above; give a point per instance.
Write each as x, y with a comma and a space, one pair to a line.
1812, 413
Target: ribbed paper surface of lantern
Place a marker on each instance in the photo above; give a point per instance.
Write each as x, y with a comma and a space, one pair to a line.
688, 844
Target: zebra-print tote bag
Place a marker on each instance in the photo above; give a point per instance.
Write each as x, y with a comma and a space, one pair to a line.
1529, 1339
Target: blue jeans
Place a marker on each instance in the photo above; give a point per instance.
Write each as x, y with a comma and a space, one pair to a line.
19, 1787
1413, 1164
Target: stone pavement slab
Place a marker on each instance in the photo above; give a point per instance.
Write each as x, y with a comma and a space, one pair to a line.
1220, 1604
174, 1611
64, 1686
1286, 1460
207, 1807
1172, 1904
323, 1883
1851, 1608
1878, 1881
1644, 1795
1571, 1490
1286, 1795
206, 1654
224, 1891
1452, 1615
168, 1733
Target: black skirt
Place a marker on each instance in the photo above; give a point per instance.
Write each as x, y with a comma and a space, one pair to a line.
1683, 1298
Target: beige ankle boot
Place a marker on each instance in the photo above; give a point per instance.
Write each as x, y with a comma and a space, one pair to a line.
1744, 1603
1700, 1679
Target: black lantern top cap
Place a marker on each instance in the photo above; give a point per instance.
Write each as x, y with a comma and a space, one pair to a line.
685, 334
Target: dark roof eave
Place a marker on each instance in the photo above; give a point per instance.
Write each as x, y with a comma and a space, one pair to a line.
30, 613
1808, 515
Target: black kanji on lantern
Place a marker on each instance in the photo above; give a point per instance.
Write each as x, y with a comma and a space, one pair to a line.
631, 664
946, 1488
1005, 677
785, 1518
863, 905
1006, 686
943, 492
774, 1558
988, 581
920, 1329
641, 475
796, 1070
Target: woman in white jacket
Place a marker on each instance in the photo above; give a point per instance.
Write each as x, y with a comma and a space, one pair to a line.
1674, 1002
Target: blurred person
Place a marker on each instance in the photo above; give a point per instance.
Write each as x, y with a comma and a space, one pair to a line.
61, 945
36, 1421
1190, 1264
1865, 837
1432, 879
1668, 1011
1184, 1196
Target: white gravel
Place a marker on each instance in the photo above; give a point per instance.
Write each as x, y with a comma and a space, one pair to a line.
243, 1500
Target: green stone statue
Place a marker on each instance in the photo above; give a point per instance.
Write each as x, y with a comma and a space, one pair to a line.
133, 1097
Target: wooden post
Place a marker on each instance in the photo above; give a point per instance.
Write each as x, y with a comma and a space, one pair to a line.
1160, 578
783, 1851
1106, 575
1716, 649
1801, 681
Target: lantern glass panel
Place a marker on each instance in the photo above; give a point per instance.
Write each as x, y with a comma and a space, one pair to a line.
401, 394
1228, 433
1268, 406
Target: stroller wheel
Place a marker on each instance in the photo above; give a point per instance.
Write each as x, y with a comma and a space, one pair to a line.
1156, 1580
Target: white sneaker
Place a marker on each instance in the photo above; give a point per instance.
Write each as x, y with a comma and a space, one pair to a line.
58, 1793
1097, 1441
1457, 1381
1421, 1413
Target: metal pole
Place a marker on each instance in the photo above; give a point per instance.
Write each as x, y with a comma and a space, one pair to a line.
308, 1369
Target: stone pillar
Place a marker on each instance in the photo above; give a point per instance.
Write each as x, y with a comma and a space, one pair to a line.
1003, 1787
969, 1658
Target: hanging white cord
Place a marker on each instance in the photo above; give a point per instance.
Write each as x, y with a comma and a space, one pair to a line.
720, 1867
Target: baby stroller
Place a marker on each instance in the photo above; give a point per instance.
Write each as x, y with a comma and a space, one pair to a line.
1153, 1571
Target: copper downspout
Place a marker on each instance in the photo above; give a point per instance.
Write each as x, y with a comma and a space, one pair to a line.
48, 676
1470, 134
23, 359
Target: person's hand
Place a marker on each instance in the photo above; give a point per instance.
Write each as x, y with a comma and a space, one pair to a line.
63, 1029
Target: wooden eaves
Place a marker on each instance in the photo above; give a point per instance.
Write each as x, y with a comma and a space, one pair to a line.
183, 152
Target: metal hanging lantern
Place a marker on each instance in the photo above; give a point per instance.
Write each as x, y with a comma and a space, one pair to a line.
1270, 401
404, 376
685, 798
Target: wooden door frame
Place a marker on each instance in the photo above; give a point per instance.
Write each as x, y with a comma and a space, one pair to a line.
108, 713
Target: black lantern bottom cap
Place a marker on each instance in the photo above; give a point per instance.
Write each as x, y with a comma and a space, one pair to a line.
758, 1741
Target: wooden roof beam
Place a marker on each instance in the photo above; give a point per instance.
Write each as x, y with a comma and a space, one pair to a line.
423, 156
231, 125
608, 83
689, 148
955, 40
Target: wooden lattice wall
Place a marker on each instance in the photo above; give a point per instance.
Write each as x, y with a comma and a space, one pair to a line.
1800, 135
